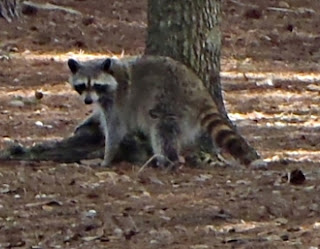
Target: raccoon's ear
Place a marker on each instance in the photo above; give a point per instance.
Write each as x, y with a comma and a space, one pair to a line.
73, 65
106, 65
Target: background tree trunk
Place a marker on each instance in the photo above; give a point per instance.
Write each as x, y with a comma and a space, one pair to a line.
10, 9
189, 31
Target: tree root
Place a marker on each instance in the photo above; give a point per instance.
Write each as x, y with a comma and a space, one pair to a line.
86, 143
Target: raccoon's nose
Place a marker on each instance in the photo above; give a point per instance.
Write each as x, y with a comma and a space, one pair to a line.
88, 100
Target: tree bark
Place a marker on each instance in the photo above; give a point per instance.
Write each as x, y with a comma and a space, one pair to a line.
189, 31
10, 9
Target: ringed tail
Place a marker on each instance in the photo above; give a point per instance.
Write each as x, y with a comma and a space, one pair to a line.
223, 134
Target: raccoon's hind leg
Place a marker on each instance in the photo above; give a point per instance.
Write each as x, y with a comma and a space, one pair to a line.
165, 140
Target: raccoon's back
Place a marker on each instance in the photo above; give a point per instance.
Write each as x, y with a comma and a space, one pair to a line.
161, 85
162, 79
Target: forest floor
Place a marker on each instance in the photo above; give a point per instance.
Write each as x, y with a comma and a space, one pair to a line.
270, 75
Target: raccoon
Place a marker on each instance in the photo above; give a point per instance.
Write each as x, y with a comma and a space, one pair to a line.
157, 95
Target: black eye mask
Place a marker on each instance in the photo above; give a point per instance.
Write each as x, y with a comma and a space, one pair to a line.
80, 88
101, 88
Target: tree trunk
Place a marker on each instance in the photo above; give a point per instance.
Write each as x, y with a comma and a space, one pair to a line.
10, 9
189, 31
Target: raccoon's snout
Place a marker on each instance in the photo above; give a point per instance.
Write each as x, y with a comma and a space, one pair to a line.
88, 100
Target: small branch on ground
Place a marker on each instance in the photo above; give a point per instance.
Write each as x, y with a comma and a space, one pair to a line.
279, 9
50, 6
12, 9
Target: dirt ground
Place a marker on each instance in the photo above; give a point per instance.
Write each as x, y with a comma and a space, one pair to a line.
270, 76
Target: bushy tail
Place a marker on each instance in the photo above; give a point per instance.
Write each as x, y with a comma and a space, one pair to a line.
224, 135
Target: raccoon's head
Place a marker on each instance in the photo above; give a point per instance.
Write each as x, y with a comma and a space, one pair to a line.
92, 79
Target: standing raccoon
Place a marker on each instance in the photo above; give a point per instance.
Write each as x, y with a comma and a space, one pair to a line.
157, 95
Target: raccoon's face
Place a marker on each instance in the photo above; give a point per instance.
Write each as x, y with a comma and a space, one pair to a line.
93, 80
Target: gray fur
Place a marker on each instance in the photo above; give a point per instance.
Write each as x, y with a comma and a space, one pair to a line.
159, 96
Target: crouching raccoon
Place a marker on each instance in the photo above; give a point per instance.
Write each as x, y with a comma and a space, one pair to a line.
157, 95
